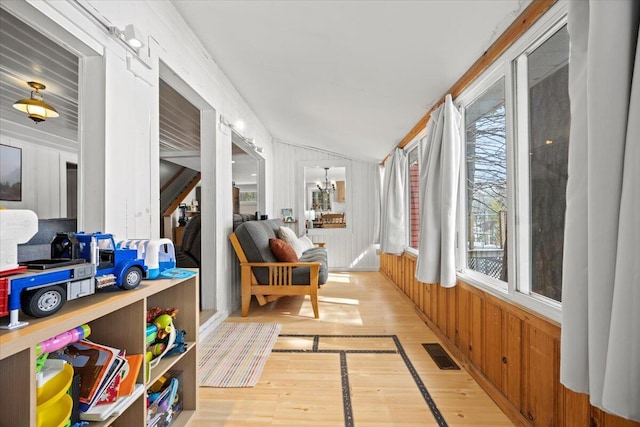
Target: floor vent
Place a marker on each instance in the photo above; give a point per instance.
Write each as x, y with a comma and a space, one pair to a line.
442, 359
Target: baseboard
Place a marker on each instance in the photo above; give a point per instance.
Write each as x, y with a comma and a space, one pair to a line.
207, 327
496, 395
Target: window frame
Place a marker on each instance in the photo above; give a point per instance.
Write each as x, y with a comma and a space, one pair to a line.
509, 65
522, 147
409, 148
468, 97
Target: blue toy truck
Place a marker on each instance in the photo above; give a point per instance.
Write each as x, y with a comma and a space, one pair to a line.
80, 263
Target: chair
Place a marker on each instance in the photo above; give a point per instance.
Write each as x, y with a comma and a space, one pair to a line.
333, 221
262, 275
189, 252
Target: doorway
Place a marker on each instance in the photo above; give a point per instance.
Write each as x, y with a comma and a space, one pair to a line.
188, 140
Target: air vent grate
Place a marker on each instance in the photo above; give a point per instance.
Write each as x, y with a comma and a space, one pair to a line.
442, 359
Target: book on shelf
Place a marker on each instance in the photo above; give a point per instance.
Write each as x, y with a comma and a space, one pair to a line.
134, 362
94, 363
114, 400
108, 390
102, 412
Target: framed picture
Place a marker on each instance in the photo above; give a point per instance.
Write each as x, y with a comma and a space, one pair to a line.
10, 173
248, 196
287, 215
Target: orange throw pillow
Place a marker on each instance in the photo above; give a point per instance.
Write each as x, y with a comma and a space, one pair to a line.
282, 250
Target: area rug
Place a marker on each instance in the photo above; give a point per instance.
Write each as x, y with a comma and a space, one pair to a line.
234, 354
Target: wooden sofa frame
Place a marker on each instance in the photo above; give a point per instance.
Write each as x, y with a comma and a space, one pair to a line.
280, 278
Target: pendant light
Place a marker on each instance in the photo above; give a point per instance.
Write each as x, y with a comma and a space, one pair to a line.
35, 107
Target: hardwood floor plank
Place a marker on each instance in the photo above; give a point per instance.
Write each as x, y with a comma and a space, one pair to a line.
305, 388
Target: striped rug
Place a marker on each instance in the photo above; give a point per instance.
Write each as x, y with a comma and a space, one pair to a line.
234, 354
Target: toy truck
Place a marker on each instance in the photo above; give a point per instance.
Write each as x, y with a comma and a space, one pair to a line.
80, 264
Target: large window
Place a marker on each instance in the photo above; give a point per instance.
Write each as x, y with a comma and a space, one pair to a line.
544, 107
517, 120
414, 199
486, 182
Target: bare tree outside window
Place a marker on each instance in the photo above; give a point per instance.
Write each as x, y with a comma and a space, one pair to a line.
486, 160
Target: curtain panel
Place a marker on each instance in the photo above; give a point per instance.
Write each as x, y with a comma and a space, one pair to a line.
439, 159
379, 176
600, 345
393, 227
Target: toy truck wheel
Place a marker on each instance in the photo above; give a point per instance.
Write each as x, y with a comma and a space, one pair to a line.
132, 278
43, 302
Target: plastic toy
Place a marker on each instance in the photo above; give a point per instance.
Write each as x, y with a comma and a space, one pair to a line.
152, 313
164, 323
53, 403
179, 345
161, 334
163, 405
158, 254
80, 264
62, 340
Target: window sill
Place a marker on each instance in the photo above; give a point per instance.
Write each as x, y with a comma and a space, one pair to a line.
411, 251
481, 281
499, 289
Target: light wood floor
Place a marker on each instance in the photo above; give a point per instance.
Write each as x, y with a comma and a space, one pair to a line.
306, 389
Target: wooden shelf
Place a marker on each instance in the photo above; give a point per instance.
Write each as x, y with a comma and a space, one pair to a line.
118, 319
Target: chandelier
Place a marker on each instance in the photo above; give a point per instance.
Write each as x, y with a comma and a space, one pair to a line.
328, 187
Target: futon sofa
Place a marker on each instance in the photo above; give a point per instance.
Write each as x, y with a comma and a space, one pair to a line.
267, 278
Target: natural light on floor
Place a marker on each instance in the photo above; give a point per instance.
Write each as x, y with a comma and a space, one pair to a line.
340, 277
345, 301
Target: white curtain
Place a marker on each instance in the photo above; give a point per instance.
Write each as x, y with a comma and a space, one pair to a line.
600, 347
439, 158
377, 200
393, 230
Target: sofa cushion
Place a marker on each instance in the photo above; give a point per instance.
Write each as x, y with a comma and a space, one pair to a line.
288, 235
306, 243
254, 238
312, 255
282, 250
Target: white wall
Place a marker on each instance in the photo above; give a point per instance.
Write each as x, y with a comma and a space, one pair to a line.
351, 248
119, 167
44, 179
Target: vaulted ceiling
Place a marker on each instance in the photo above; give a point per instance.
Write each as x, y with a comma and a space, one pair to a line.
350, 77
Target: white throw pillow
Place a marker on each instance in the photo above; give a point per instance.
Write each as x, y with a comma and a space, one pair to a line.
306, 243
289, 236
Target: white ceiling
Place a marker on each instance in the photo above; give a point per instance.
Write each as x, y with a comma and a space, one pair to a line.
350, 77
28, 55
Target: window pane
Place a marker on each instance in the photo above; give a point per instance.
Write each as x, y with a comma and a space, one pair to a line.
549, 119
485, 126
414, 205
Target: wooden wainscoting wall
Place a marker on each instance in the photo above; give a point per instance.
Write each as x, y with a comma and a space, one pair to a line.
513, 353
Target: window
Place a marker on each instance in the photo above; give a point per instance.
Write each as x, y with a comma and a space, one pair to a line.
414, 198
544, 107
517, 121
486, 183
